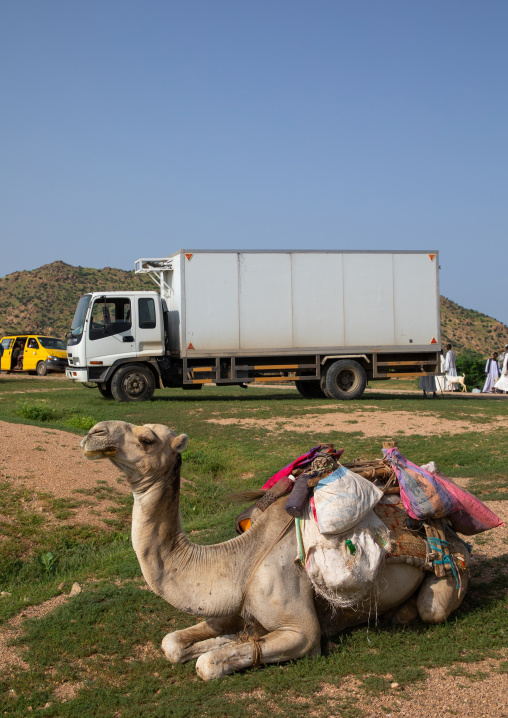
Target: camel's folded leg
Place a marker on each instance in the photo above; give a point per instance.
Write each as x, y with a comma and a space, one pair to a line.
438, 597
189, 643
281, 645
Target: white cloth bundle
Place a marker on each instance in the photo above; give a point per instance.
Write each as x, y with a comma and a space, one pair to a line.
342, 499
343, 567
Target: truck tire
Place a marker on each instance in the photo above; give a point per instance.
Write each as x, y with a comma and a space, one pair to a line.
105, 390
310, 389
41, 369
345, 379
132, 382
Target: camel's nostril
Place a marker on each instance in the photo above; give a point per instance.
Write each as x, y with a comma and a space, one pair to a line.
98, 430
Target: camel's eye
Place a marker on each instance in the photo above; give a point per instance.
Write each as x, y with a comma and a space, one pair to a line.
146, 441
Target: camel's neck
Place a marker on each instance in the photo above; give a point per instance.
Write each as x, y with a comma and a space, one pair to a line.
202, 580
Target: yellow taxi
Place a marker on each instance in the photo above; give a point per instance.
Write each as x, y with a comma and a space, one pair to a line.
33, 353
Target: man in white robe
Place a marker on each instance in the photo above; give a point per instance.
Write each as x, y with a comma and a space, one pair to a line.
502, 355
492, 372
502, 383
428, 384
450, 367
440, 380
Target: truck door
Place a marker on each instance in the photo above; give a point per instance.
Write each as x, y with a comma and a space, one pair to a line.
111, 333
149, 328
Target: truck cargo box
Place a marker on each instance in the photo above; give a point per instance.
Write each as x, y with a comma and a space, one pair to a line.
241, 303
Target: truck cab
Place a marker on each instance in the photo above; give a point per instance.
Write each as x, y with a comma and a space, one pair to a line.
113, 330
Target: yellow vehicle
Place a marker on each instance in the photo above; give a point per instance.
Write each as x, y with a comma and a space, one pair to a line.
34, 354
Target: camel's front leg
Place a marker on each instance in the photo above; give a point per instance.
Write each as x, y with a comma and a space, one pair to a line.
182, 646
283, 644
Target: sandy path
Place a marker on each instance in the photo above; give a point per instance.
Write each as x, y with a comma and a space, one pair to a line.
368, 422
51, 461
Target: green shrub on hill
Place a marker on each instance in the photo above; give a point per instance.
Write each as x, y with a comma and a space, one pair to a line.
473, 366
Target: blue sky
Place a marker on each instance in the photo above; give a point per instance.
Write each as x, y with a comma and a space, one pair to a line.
133, 129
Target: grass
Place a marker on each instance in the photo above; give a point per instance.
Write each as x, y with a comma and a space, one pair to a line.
103, 645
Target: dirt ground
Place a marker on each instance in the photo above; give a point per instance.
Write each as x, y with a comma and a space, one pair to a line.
48, 460
368, 421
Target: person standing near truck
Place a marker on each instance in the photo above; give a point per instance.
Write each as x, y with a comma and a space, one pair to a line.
450, 367
441, 378
502, 383
428, 385
492, 372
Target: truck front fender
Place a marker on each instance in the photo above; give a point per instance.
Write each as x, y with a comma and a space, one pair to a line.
107, 373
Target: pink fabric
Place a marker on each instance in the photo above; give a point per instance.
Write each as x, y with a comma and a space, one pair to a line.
434, 496
304, 458
473, 516
300, 461
422, 495
313, 508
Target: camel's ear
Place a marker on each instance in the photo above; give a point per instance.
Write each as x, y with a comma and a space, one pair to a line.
179, 443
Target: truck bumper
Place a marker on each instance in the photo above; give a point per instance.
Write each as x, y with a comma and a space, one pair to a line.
77, 373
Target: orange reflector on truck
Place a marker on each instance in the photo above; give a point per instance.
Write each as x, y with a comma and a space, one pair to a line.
434, 340
96, 362
432, 257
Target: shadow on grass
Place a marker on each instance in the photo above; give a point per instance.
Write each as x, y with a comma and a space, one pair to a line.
200, 398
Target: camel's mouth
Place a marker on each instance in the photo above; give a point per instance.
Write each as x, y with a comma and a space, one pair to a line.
97, 447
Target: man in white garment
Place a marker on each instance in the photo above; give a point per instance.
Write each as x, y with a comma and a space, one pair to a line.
440, 380
428, 385
502, 355
450, 367
502, 383
492, 372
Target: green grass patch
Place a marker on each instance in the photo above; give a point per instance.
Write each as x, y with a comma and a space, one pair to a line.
37, 410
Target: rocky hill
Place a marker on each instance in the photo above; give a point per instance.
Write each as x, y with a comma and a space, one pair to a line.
469, 330
44, 299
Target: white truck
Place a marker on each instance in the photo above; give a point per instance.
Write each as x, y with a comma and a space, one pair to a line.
329, 321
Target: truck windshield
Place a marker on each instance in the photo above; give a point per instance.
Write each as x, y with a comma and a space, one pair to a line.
76, 330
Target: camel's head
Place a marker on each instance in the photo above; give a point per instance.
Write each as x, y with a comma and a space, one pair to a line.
144, 453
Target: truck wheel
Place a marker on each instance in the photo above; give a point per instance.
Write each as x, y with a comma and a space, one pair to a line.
133, 382
41, 368
345, 379
310, 389
105, 390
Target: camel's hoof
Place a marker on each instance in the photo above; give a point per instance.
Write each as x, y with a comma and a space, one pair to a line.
172, 648
208, 668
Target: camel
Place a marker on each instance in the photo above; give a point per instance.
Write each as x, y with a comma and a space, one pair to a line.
259, 607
